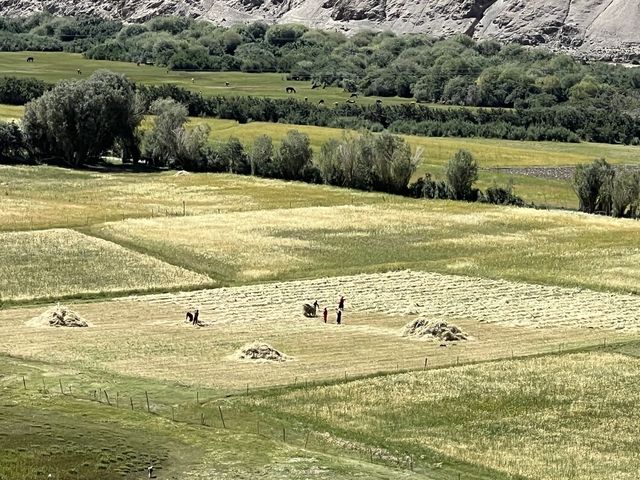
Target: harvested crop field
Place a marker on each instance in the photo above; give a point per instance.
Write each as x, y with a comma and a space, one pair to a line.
58, 263
145, 336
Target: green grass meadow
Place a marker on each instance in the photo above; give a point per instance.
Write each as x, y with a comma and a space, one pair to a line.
536, 393
54, 66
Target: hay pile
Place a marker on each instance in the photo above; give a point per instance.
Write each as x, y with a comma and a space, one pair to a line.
59, 316
261, 351
421, 327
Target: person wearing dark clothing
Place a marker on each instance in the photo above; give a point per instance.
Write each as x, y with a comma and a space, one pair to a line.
195, 317
341, 303
339, 317
325, 314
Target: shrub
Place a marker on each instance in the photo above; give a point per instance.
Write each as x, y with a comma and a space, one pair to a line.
461, 173
294, 155
13, 146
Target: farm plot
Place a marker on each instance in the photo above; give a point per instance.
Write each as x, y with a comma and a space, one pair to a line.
550, 418
59, 263
45, 197
557, 248
148, 337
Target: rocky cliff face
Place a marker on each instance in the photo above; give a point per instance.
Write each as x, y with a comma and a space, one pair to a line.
607, 29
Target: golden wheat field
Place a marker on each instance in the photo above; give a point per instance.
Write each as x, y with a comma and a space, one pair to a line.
538, 246
548, 418
147, 336
58, 263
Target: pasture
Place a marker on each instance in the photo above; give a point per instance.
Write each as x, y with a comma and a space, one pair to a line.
542, 388
566, 417
493, 156
55, 66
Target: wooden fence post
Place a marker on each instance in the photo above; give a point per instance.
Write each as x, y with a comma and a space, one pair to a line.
107, 397
131, 401
224, 425
284, 435
426, 362
61, 390
24, 382
147, 395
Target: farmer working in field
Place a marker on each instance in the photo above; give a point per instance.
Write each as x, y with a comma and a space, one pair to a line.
341, 302
325, 314
339, 317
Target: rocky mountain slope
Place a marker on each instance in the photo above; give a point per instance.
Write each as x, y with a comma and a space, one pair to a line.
607, 29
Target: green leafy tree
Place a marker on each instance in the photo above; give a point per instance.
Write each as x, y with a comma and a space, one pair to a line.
162, 144
461, 173
588, 182
626, 191
261, 157
294, 155
77, 122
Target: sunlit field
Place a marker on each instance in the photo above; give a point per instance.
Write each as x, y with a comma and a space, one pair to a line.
538, 246
60, 263
569, 417
54, 66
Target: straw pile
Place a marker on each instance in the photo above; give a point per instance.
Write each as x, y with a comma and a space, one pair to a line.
58, 316
421, 328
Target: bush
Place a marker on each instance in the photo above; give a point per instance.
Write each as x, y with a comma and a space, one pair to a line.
461, 173
19, 91
233, 155
590, 182
13, 146
294, 155
261, 157
502, 196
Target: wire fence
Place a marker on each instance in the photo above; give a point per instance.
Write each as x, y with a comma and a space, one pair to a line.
206, 410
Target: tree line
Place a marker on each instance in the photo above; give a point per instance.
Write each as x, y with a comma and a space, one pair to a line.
454, 71
77, 122
562, 124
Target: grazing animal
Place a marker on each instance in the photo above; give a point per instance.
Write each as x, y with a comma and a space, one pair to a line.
227, 84
79, 72
351, 101
30, 59
354, 95
321, 102
291, 90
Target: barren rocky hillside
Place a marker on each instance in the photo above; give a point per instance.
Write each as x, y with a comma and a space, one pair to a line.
608, 29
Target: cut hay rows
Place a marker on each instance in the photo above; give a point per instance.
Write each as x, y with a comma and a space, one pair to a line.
409, 293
